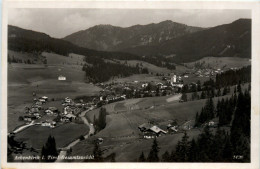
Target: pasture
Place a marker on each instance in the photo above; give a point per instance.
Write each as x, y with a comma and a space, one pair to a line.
36, 136
221, 62
56, 59
136, 77
24, 79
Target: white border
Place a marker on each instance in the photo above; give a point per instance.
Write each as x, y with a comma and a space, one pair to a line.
253, 6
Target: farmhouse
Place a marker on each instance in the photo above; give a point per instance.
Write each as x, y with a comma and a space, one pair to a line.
34, 110
68, 100
67, 110
29, 118
49, 112
149, 135
61, 77
70, 117
144, 127
158, 131
45, 98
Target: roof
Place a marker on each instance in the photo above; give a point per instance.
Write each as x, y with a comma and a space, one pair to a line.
145, 125
52, 108
70, 115
157, 129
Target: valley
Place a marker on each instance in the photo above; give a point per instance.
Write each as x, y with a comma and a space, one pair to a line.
115, 100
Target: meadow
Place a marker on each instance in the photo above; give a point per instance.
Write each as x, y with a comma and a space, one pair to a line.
36, 136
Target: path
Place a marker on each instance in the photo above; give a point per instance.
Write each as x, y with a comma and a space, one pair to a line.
23, 127
64, 150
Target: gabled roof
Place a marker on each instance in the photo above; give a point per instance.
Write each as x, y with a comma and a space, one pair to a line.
145, 125
156, 129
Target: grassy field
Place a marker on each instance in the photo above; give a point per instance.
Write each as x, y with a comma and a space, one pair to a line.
137, 77
24, 79
222, 62
72, 59
121, 134
36, 136
156, 69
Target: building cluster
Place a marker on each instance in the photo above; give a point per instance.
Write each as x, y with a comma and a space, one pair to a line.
54, 115
150, 130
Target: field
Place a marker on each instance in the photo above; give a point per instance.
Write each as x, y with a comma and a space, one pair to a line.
121, 134
137, 77
24, 79
72, 59
155, 69
36, 136
222, 62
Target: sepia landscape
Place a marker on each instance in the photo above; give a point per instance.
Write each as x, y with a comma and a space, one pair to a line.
156, 92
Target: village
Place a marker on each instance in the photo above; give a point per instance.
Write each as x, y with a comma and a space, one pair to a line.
43, 113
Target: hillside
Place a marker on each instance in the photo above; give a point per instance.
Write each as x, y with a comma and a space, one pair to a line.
22, 40
112, 38
229, 40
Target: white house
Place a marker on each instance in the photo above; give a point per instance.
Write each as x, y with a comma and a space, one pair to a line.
61, 77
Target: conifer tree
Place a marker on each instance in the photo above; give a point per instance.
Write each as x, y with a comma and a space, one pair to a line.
166, 157
153, 155
49, 150
142, 157
97, 153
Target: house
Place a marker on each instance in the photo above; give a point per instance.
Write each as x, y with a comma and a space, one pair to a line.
61, 77
144, 127
37, 115
46, 124
34, 110
144, 85
38, 103
29, 118
99, 140
67, 110
68, 100
53, 109
70, 117
149, 135
45, 98
158, 131
42, 100
49, 112
173, 129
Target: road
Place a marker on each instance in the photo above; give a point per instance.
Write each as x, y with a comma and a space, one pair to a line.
64, 150
23, 127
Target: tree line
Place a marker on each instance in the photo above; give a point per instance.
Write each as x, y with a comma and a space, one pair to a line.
100, 72
100, 122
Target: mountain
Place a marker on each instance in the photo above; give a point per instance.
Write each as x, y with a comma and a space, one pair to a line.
112, 38
229, 40
23, 40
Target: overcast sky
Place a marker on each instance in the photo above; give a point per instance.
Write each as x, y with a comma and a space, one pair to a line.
62, 22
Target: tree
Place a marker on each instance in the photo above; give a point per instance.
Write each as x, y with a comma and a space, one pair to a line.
181, 153
142, 157
193, 151
49, 151
166, 157
184, 97
153, 155
97, 153
227, 151
202, 96
100, 123
205, 144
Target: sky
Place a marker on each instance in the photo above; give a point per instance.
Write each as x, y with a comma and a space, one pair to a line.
59, 23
